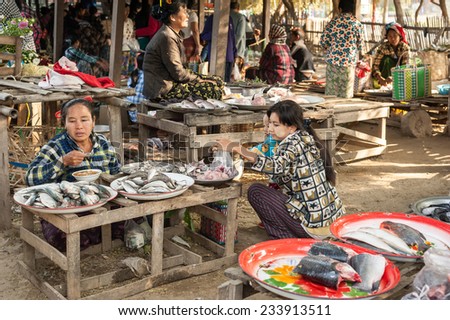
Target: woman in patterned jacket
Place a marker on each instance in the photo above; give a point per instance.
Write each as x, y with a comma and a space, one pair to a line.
342, 39
307, 199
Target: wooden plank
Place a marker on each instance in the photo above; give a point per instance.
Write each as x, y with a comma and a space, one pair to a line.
189, 256
115, 59
243, 137
157, 242
169, 276
115, 125
43, 286
205, 242
29, 253
201, 120
362, 136
73, 272
231, 226
5, 196
163, 124
360, 154
354, 116
44, 248
25, 86
230, 290
209, 213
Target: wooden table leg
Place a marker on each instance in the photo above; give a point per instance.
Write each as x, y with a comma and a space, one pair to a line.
157, 242
29, 253
73, 266
5, 207
231, 226
143, 144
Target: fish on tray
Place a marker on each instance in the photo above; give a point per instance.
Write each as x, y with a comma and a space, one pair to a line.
370, 268
65, 195
330, 250
153, 181
413, 238
439, 211
370, 239
325, 271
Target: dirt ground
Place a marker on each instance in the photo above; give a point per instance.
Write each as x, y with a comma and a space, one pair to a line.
411, 169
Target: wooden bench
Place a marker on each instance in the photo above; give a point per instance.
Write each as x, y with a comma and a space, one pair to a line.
169, 261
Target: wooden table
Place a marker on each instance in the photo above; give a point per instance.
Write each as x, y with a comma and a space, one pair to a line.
186, 126
353, 144
181, 263
17, 92
242, 287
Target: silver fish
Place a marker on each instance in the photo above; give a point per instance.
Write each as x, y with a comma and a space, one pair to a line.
188, 105
128, 187
203, 104
31, 199
370, 268
89, 199
391, 239
218, 104
47, 200
69, 187
370, 239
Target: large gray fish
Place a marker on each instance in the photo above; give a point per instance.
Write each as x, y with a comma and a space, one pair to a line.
326, 271
370, 268
330, 250
203, 104
411, 236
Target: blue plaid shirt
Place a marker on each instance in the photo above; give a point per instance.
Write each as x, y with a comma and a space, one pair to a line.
138, 97
48, 165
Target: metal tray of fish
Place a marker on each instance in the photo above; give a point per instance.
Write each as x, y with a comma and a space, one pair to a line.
378, 92
179, 178
271, 264
21, 197
213, 182
434, 207
431, 232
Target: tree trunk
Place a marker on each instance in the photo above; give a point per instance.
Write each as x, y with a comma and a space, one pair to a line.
399, 12
290, 10
442, 4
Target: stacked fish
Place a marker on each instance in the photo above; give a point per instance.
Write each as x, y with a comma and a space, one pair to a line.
65, 194
329, 265
209, 104
439, 211
142, 182
390, 237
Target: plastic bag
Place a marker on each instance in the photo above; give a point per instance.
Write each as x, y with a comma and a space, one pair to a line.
432, 282
222, 159
235, 73
134, 235
133, 44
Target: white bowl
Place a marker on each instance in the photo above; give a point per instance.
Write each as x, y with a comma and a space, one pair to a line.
87, 175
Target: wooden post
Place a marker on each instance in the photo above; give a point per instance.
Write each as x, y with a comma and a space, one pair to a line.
201, 15
5, 206
448, 114
219, 38
58, 30
266, 19
115, 59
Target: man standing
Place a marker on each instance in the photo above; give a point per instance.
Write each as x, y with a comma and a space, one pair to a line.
239, 23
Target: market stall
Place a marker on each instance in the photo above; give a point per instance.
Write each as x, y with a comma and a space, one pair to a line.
14, 93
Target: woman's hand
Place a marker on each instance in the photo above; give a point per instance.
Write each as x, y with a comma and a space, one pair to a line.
73, 158
382, 81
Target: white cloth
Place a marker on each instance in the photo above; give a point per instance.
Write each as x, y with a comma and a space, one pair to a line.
54, 79
193, 17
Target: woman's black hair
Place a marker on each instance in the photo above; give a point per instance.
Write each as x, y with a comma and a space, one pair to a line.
347, 6
163, 10
67, 105
291, 114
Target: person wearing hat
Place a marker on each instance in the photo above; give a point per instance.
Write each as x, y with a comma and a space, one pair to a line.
388, 53
342, 39
276, 64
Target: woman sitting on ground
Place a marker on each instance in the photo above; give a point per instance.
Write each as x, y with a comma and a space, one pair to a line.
165, 74
387, 55
276, 64
307, 199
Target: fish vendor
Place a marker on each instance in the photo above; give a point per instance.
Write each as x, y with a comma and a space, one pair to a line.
165, 73
78, 147
307, 199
